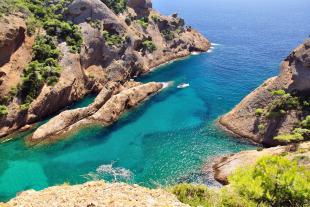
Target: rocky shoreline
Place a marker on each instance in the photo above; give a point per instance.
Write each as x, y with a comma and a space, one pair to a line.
273, 109
108, 106
134, 42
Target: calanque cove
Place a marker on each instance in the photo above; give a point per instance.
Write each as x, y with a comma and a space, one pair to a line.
55, 53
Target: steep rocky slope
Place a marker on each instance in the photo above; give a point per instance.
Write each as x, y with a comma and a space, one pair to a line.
53, 53
276, 112
96, 194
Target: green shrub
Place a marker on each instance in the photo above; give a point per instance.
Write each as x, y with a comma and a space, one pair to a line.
304, 132
306, 123
155, 18
112, 39
230, 198
118, 6
278, 92
11, 6
144, 22
287, 138
32, 24
274, 181
201, 195
24, 107
259, 112
178, 30
65, 31
95, 24
44, 68
193, 195
3, 110
261, 128
168, 34
282, 104
149, 46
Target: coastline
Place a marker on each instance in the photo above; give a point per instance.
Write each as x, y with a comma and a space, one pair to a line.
230, 132
177, 57
109, 112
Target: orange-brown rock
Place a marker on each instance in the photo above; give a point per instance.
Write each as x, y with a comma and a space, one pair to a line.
294, 78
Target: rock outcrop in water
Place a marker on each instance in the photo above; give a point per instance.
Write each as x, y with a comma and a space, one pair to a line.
278, 107
95, 194
112, 101
225, 166
118, 43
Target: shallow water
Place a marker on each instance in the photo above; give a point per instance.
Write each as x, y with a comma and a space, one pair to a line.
169, 137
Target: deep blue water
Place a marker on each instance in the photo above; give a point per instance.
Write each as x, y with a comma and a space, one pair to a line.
170, 136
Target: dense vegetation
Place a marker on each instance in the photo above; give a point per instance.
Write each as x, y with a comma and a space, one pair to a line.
118, 6
144, 22
281, 105
149, 46
3, 110
273, 181
44, 67
113, 39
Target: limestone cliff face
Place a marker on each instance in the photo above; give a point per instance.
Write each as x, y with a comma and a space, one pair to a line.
294, 79
100, 60
96, 194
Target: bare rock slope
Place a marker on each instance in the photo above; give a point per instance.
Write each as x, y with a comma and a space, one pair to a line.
96, 194
267, 112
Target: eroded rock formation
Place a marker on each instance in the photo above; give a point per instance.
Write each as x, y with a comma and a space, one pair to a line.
135, 41
245, 120
110, 104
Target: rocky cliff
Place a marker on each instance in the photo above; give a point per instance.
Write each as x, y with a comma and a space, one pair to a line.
53, 53
109, 105
276, 112
96, 194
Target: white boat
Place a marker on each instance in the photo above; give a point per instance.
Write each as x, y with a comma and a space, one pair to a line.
183, 85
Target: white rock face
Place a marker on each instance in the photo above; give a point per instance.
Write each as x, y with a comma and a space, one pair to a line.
96, 194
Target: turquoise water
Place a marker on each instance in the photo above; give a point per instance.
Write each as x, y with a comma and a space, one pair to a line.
169, 137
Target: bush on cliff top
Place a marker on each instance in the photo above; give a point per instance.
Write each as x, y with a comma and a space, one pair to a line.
273, 181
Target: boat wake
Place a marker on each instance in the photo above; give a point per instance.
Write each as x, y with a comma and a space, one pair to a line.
195, 53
